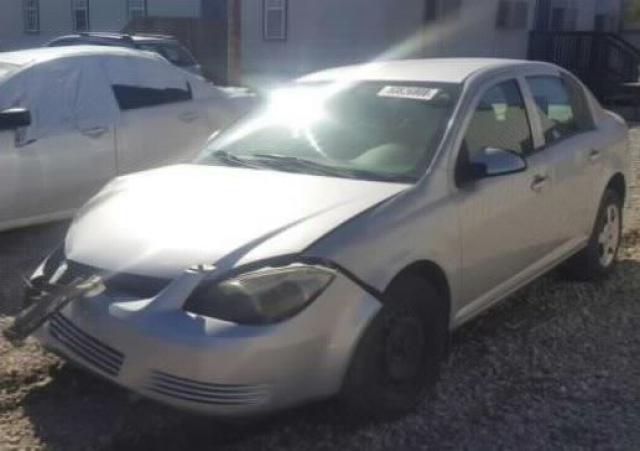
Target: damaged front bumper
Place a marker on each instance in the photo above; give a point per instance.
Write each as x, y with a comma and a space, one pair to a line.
43, 299
155, 348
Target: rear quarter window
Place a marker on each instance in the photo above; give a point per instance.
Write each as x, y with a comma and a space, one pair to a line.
172, 52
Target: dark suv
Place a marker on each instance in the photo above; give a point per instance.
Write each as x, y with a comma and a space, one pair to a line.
167, 46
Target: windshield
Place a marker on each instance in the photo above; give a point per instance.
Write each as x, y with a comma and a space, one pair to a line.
176, 54
373, 130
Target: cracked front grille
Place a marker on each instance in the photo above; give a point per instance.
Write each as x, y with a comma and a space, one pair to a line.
125, 283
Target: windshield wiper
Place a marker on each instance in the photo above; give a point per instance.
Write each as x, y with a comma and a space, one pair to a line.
233, 160
298, 164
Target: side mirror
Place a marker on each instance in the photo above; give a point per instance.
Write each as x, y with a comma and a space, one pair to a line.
492, 162
14, 118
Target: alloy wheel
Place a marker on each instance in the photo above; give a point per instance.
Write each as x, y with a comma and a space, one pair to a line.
609, 236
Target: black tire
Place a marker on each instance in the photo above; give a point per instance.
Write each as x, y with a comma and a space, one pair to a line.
590, 264
398, 358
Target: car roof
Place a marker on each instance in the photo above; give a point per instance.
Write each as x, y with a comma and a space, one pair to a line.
440, 70
117, 37
40, 55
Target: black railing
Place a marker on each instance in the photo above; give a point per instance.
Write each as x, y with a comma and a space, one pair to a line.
604, 61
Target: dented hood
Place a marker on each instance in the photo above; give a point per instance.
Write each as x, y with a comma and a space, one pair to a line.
161, 222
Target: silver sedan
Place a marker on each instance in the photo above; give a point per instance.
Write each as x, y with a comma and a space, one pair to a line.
328, 244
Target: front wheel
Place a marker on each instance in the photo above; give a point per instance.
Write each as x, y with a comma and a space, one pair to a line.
398, 357
598, 259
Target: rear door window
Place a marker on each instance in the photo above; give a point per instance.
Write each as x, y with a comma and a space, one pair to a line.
561, 106
134, 97
142, 83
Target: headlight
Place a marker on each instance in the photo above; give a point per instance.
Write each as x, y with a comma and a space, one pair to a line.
263, 297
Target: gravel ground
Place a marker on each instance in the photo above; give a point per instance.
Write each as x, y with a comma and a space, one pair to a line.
555, 366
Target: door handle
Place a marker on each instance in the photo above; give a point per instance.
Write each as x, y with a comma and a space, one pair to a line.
594, 155
188, 117
95, 132
539, 182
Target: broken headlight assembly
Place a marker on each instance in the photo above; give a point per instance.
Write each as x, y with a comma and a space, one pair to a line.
42, 276
53, 262
263, 297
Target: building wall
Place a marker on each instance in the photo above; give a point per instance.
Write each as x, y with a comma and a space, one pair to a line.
586, 10
10, 26
335, 32
55, 18
173, 8
106, 15
580, 14
586, 14
321, 33
474, 33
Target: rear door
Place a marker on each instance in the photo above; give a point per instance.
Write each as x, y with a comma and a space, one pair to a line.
160, 122
571, 143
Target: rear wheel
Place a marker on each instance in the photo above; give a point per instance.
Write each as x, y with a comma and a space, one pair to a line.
398, 358
598, 259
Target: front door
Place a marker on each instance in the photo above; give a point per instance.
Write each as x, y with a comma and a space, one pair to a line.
504, 219
68, 152
72, 166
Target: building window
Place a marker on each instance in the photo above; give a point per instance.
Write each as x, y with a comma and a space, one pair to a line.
31, 16
136, 8
440, 9
80, 14
557, 19
274, 19
563, 19
513, 15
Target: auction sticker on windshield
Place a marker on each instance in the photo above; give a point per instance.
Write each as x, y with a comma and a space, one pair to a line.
409, 92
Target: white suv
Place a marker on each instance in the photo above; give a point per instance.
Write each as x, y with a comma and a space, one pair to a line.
164, 45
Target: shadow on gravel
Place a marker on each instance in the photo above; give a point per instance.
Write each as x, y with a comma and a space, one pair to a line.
555, 365
22, 250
